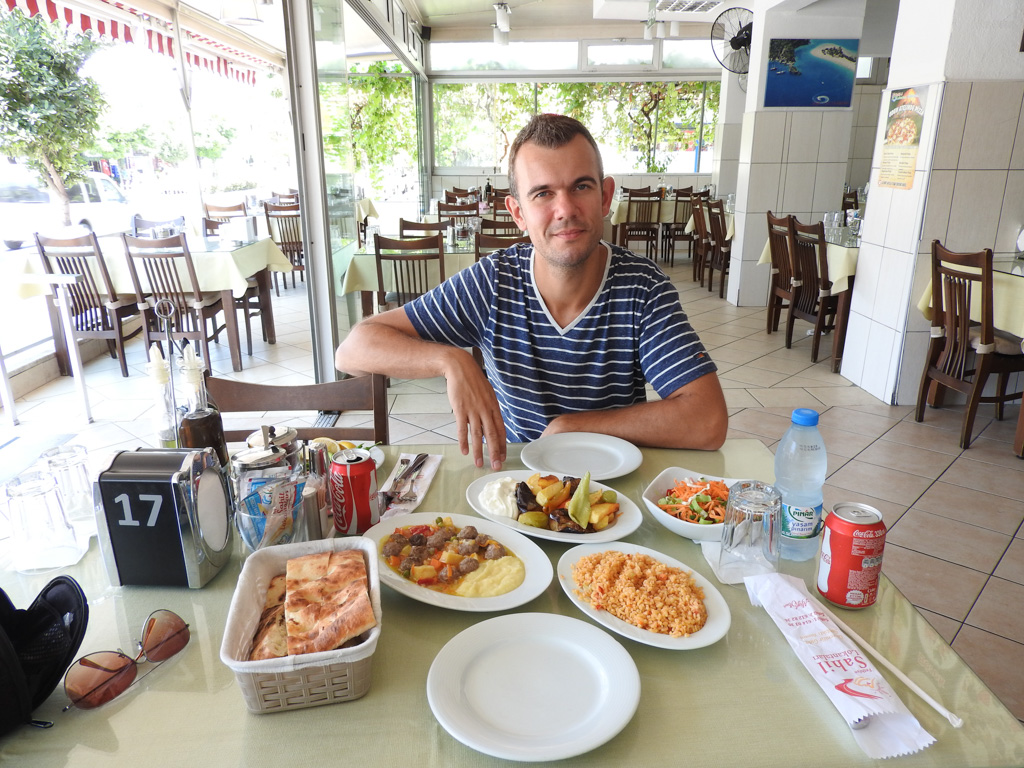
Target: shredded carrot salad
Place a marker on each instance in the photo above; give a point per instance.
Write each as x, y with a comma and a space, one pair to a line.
697, 500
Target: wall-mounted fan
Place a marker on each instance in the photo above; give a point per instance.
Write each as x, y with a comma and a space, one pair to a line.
730, 39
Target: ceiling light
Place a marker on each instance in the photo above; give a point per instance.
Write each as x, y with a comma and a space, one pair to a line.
500, 38
673, 29
661, 30
648, 32
501, 11
239, 13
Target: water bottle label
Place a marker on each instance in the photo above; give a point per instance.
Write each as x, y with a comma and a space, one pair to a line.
800, 522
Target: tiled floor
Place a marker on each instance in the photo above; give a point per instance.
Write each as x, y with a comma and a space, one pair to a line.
956, 543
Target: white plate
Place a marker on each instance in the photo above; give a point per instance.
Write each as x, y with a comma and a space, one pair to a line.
575, 453
628, 520
719, 617
533, 686
657, 490
538, 566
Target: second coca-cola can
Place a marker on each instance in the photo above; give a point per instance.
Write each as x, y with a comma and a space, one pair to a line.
353, 487
850, 561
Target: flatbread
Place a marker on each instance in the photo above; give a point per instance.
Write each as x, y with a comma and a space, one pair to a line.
271, 639
327, 603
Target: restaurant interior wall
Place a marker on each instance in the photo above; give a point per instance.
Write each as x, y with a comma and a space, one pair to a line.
792, 160
968, 187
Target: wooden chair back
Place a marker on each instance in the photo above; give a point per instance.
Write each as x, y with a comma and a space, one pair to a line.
284, 224
700, 220
716, 225
500, 227
145, 227
807, 248
225, 212
360, 393
210, 226
637, 190
409, 264
850, 201
497, 200
291, 197
957, 278
488, 244
421, 228
459, 214
682, 205
169, 272
778, 246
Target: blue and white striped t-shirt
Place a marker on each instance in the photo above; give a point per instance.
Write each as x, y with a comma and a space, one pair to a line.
634, 329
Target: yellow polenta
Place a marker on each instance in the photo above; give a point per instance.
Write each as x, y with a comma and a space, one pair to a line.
493, 577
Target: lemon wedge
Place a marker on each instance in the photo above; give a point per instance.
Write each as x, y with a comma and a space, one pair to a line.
332, 446
343, 444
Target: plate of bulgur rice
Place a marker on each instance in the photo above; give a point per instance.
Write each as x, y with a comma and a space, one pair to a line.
644, 595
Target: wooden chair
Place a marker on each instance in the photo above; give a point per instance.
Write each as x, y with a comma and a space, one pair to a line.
957, 281
409, 264
702, 242
458, 214
497, 201
211, 226
643, 221
780, 288
144, 227
488, 244
675, 231
331, 399
721, 246
291, 197
812, 290
421, 228
97, 312
285, 228
170, 274
850, 201
500, 227
637, 190
225, 212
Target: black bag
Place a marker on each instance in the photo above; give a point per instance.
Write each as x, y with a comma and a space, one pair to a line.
37, 645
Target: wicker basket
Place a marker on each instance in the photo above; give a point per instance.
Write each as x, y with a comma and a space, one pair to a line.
308, 680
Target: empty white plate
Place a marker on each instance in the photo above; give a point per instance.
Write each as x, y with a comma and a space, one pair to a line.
575, 453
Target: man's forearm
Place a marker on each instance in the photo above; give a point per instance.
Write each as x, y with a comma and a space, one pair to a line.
378, 348
693, 418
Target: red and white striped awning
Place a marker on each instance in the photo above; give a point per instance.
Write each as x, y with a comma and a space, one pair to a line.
201, 52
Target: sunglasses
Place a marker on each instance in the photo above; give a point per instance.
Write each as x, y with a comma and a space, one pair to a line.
99, 677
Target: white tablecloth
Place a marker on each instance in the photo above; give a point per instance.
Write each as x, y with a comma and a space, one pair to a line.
842, 264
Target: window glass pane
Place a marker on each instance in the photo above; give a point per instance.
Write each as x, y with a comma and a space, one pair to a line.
620, 55
475, 123
688, 54
462, 57
640, 127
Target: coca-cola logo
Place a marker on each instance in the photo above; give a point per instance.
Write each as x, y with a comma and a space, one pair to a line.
341, 512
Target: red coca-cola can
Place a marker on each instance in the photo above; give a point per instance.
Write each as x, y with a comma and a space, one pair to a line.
354, 499
850, 562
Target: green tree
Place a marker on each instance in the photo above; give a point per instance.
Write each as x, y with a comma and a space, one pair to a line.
48, 112
382, 119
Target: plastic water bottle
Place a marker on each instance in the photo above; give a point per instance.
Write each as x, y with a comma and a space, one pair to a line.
800, 469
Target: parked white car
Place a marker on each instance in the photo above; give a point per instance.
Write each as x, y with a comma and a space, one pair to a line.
27, 206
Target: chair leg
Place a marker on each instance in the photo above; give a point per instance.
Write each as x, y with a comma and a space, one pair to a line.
816, 339
1002, 378
973, 399
119, 346
248, 327
721, 283
789, 326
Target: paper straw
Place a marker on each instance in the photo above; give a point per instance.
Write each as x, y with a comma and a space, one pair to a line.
955, 721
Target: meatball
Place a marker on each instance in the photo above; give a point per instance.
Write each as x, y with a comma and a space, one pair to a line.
398, 539
437, 540
495, 552
468, 547
393, 549
448, 574
482, 540
449, 531
419, 553
417, 539
407, 564
469, 532
468, 565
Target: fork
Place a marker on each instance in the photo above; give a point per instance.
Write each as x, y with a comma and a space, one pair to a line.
390, 496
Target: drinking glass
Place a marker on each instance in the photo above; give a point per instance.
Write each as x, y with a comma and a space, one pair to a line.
43, 539
751, 543
70, 470
730, 203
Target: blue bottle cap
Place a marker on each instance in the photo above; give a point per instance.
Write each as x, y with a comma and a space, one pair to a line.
805, 417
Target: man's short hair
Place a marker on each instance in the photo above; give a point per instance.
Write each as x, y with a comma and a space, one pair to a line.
551, 132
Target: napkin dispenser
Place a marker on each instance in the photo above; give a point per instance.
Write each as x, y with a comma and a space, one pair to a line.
166, 518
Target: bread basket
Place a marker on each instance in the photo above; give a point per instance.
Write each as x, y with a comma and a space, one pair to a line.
307, 680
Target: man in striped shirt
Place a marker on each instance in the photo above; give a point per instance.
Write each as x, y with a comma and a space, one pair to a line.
570, 327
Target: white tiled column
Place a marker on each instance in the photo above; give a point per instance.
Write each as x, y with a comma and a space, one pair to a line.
728, 131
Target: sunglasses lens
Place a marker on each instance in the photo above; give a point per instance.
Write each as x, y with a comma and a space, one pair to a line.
164, 635
99, 677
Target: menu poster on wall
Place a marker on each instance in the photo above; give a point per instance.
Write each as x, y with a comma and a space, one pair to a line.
902, 138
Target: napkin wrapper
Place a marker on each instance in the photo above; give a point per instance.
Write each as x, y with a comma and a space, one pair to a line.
419, 485
882, 725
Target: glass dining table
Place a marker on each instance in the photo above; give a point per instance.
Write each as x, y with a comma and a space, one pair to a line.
744, 700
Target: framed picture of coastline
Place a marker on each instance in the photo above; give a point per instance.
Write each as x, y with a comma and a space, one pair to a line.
810, 73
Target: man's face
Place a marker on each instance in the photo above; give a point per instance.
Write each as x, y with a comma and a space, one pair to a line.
562, 202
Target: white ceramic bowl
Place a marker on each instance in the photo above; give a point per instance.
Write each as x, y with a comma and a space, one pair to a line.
657, 490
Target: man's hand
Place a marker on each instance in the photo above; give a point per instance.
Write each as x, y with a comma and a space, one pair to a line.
477, 415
